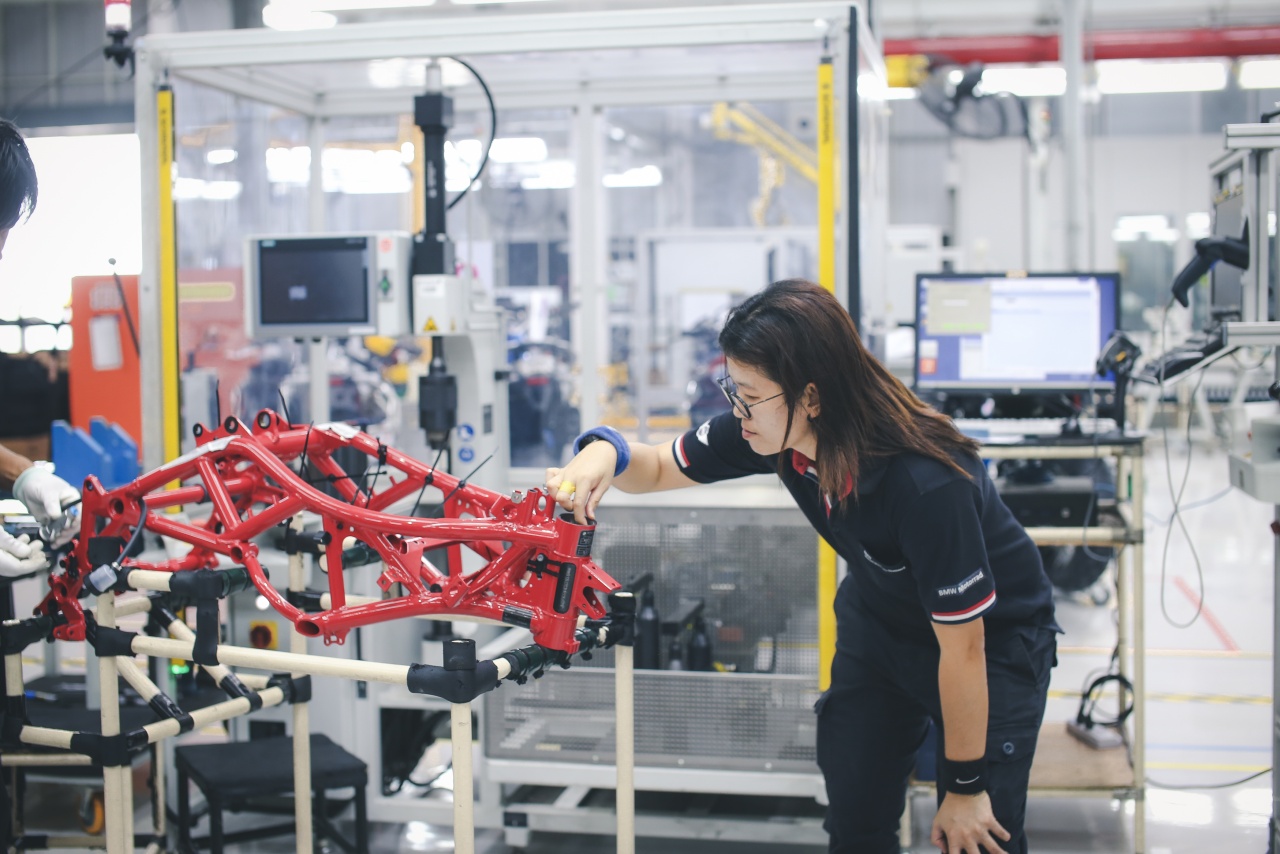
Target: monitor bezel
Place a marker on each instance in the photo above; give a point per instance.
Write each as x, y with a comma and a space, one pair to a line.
257, 329
1099, 385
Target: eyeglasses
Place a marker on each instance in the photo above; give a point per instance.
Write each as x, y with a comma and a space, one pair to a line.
739, 405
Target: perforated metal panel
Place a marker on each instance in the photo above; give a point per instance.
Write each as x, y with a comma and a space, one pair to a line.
692, 720
755, 572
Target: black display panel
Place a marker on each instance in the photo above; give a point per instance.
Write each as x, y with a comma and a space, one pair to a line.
313, 281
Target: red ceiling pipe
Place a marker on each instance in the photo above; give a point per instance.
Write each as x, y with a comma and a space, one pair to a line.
1115, 44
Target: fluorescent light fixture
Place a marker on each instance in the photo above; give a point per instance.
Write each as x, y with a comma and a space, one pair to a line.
1040, 81
551, 175
1136, 76
641, 176
518, 149
360, 171
1144, 226
219, 156
289, 165
295, 15
1260, 74
400, 73
190, 189
354, 171
364, 5
1198, 225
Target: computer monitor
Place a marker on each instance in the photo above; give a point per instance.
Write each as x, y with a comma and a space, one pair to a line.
326, 285
999, 333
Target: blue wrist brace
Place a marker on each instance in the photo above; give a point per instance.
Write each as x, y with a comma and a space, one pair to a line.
613, 437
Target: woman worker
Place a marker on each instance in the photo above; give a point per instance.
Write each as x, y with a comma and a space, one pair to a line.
946, 612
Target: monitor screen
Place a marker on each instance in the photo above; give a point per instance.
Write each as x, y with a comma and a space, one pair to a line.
313, 281
1007, 334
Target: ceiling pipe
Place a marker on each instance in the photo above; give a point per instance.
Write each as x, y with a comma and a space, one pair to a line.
1114, 44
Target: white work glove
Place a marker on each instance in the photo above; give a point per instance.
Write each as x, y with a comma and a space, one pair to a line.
45, 495
21, 555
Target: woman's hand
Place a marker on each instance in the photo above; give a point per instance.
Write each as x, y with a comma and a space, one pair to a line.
966, 821
581, 484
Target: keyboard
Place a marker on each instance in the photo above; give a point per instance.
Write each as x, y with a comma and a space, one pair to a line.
986, 428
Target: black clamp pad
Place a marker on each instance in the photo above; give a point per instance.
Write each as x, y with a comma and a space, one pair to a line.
305, 542
297, 689
17, 637
236, 689
107, 642
105, 550
164, 706
622, 609
13, 720
307, 601
456, 686
109, 751
210, 583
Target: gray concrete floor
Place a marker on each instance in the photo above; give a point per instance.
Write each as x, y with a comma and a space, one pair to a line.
1208, 701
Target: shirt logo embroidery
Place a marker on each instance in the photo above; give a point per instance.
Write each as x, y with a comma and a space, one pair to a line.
704, 433
957, 589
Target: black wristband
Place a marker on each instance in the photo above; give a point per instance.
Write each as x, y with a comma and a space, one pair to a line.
964, 778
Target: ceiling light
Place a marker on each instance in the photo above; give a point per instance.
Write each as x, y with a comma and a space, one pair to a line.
899, 93
1133, 76
1260, 74
402, 73
219, 156
1025, 81
517, 149
642, 176
364, 5
552, 175
295, 15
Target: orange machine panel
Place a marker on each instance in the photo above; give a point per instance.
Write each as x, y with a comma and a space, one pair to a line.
105, 372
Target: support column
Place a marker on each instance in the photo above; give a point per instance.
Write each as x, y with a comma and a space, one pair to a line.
1072, 41
588, 272
301, 719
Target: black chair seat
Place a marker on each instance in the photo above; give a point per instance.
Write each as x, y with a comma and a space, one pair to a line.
232, 775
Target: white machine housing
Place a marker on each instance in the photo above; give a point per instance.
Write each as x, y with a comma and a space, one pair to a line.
462, 314
382, 306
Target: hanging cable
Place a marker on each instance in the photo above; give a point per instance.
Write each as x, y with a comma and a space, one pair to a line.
493, 131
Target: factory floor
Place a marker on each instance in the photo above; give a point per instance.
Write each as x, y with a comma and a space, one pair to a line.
1208, 695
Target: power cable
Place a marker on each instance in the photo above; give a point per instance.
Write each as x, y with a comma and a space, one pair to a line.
493, 131
1156, 784
1176, 495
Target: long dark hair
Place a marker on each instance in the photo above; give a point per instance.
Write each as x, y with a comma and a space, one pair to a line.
795, 333
18, 188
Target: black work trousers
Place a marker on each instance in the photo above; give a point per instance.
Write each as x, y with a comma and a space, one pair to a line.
874, 718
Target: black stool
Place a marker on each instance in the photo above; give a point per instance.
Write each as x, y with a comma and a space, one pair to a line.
238, 776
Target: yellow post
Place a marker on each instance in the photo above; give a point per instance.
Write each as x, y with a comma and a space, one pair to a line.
827, 278
168, 278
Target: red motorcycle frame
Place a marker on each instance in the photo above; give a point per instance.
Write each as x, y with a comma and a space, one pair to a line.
538, 570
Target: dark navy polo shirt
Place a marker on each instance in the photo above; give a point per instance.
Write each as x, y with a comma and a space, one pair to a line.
924, 542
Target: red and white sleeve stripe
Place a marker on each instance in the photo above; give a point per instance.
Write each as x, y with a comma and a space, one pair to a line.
968, 613
681, 457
